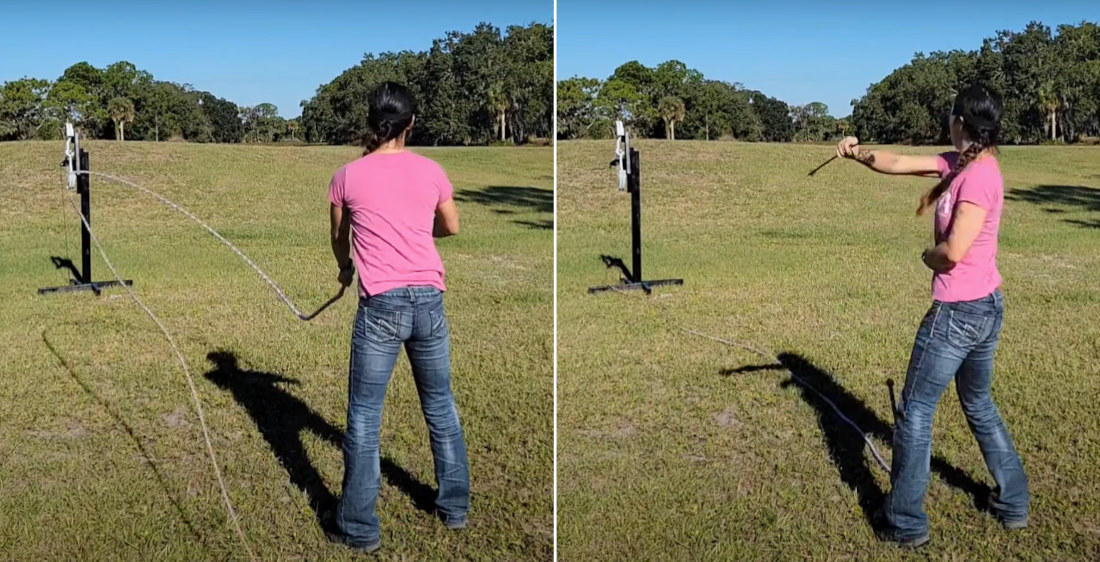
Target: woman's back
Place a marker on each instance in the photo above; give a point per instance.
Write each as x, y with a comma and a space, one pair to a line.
979, 183
392, 198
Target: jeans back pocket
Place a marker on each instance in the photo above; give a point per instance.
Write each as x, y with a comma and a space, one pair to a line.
379, 325
965, 329
438, 319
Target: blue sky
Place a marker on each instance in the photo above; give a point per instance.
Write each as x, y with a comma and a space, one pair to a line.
798, 51
247, 51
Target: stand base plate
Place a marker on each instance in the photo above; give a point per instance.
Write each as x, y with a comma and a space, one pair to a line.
627, 285
95, 286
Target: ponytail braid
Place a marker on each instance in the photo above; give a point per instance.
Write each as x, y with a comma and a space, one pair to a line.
371, 142
380, 133
965, 157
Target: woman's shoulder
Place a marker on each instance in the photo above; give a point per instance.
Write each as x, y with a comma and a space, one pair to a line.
406, 160
424, 162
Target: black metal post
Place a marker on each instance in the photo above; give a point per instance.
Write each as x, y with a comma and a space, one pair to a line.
633, 280
83, 187
634, 185
84, 281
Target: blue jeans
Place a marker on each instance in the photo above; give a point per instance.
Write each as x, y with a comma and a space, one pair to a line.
413, 317
956, 341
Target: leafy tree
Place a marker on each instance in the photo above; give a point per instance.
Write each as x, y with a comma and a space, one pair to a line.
775, 118
631, 89
528, 55
262, 123
70, 102
21, 108
620, 100
576, 111
160, 102
812, 122
216, 119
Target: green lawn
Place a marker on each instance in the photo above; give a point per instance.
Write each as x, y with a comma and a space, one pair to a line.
675, 447
101, 454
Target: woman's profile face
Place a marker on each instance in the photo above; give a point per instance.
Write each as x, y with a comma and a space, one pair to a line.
958, 135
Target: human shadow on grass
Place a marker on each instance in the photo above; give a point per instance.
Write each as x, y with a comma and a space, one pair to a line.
846, 446
281, 418
1051, 197
138, 444
509, 200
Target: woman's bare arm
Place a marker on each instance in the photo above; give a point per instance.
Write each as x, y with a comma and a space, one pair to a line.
446, 219
887, 162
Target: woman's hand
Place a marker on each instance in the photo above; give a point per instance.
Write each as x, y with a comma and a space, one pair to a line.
937, 260
346, 276
848, 147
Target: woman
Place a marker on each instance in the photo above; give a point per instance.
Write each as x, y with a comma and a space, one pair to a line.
959, 334
395, 202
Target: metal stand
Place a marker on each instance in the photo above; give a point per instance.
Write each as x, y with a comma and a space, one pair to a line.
631, 281
84, 281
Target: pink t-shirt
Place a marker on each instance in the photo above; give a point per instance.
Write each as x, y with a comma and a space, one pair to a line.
392, 199
980, 183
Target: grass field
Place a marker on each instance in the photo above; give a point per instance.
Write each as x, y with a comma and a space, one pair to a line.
101, 454
674, 447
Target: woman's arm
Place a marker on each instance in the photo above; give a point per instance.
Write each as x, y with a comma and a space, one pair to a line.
967, 225
446, 219
341, 244
340, 236
887, 162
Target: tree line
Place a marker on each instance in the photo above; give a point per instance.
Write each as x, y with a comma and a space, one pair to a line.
122, 102
1050, 84
471, 88
674, 101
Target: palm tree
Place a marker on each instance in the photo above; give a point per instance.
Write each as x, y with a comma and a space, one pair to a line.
1048, 100
122, 112
672, 110
499, 103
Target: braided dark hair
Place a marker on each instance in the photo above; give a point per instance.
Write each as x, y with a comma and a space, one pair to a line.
980, 110
390, 114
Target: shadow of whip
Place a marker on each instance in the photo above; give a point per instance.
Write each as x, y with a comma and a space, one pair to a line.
772, 357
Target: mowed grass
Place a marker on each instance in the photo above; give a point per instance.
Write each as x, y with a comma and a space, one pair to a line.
675, 447
101, 453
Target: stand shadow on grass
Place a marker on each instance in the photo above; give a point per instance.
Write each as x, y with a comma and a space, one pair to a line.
614, 262
1052, 197
66, 263
145, 454
509, 200
281, 419
846, 447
